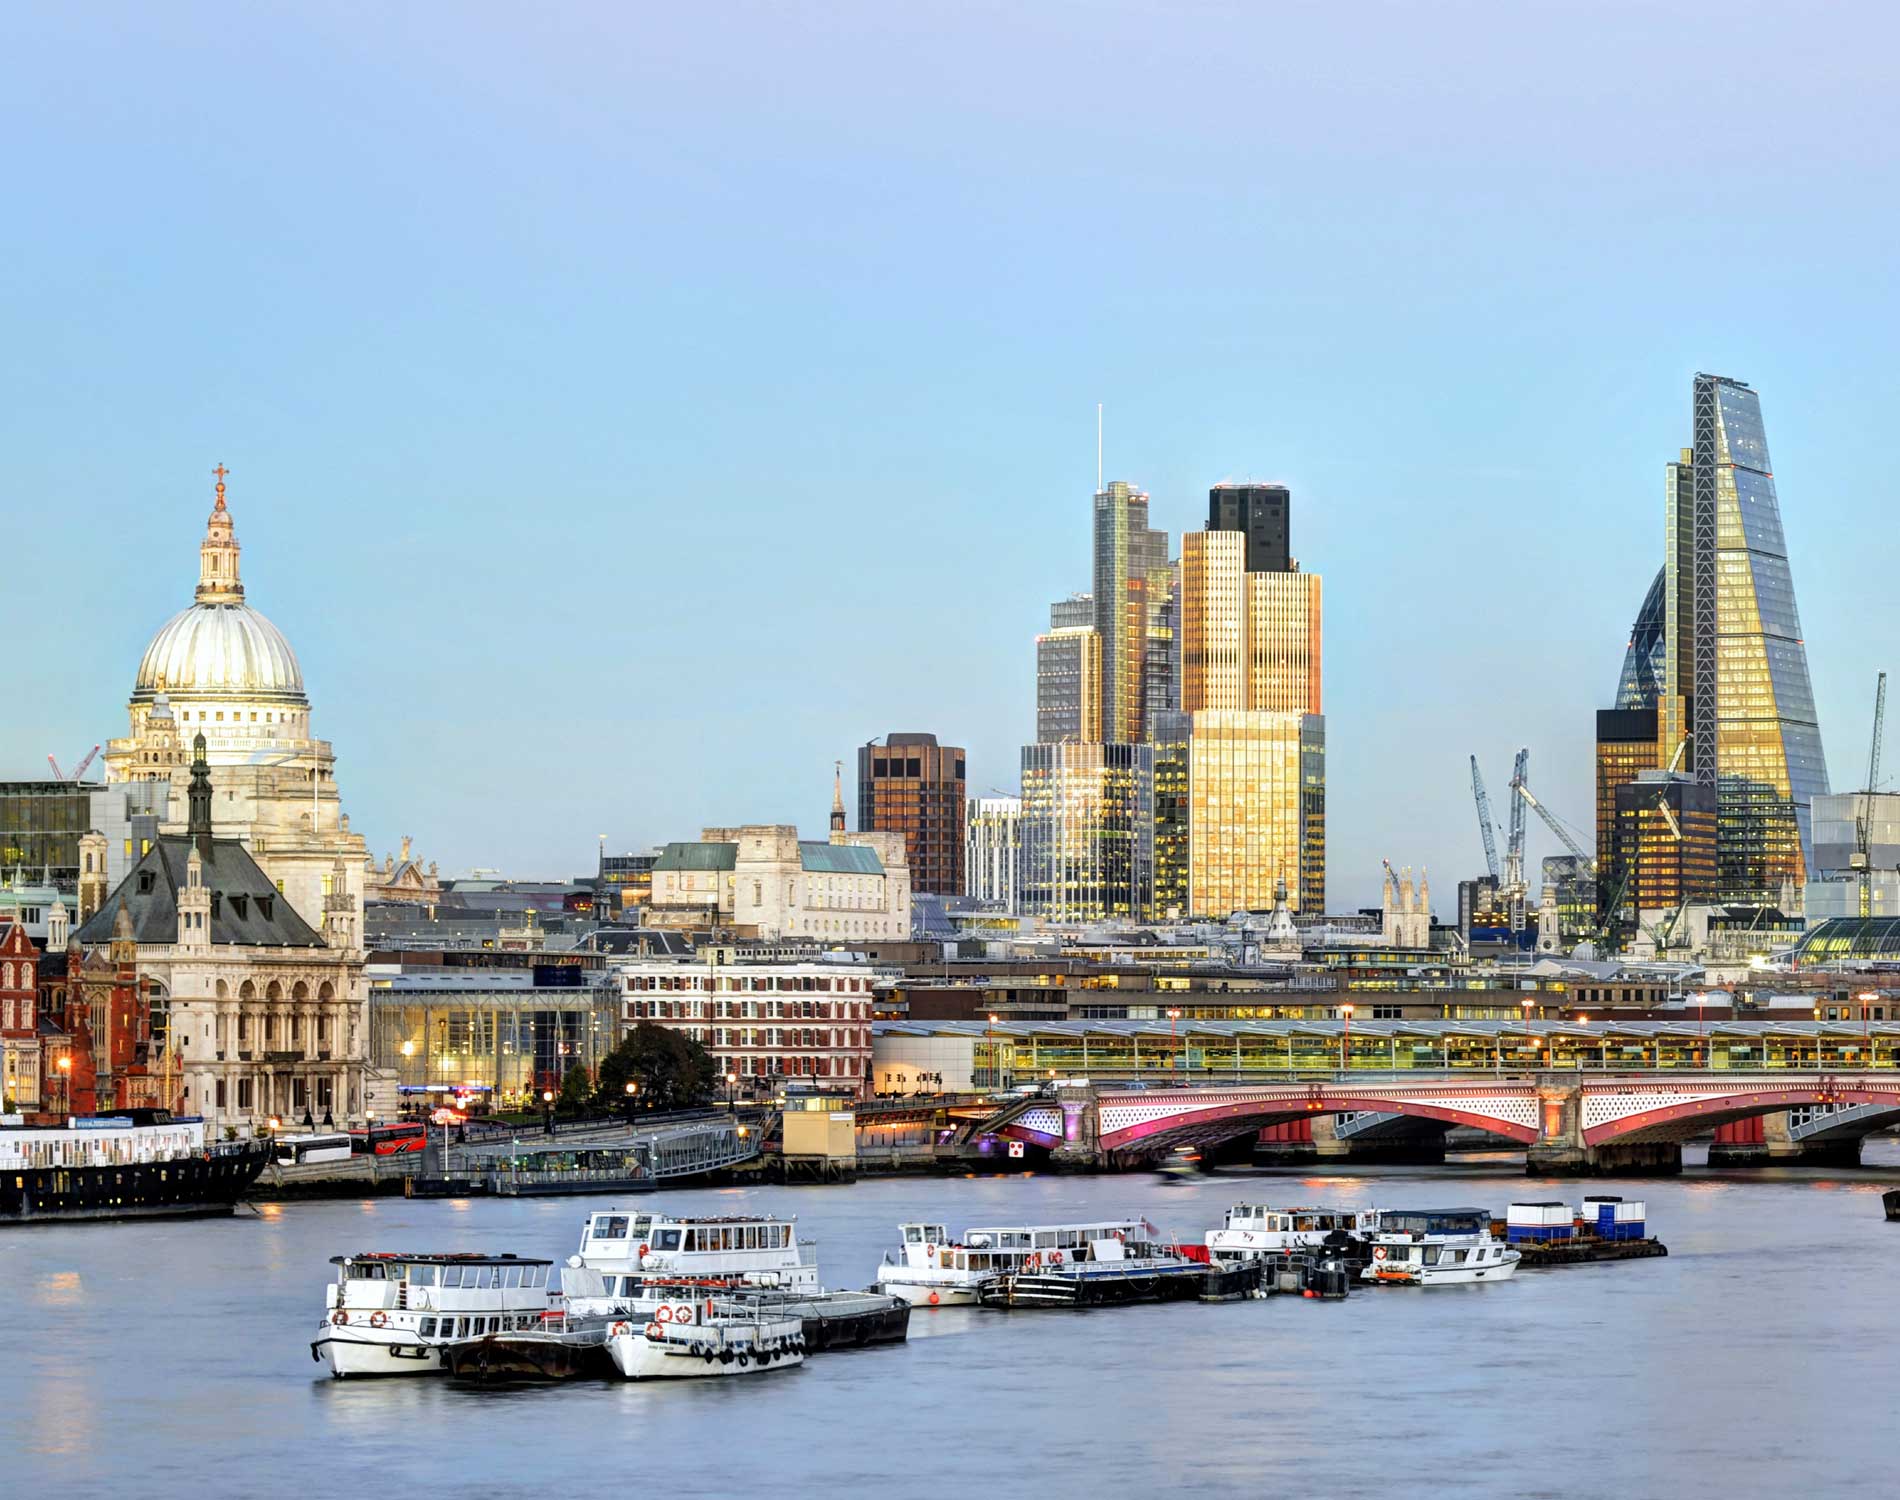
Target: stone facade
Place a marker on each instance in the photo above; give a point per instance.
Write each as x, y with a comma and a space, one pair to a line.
761, 880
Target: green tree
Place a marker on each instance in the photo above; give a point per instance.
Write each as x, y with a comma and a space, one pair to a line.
668, 1069
576, 1089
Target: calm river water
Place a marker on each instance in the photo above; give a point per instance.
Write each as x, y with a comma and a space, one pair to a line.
1758, 1359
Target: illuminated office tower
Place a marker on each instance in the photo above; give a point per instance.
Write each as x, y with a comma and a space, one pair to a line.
1250, 688
1069, 684
1735, 679
1127, 554
1087, 831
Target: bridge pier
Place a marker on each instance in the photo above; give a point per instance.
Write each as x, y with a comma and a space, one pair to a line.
1768, 1141
1561, 1151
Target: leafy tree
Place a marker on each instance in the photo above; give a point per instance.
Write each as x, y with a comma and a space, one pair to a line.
576, 1090
669, 1069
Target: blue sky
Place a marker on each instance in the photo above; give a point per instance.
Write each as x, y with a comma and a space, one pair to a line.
630, 410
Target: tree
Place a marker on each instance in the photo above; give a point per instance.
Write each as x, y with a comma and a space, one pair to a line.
669, 1069
576, 1089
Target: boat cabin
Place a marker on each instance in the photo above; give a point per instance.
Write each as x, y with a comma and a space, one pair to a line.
440, 1296
1435, 1221
1257, 1218
628, 1247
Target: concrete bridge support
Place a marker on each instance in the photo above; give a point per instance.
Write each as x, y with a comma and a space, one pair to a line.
1768, 1141
1561, 1151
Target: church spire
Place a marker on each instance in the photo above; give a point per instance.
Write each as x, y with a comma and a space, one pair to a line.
218, 554
198, 819
837, 796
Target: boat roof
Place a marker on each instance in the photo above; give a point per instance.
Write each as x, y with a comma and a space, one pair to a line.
697, 1218
450, 1258
1032, 1228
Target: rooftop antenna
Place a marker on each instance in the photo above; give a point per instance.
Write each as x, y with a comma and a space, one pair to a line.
1098, 447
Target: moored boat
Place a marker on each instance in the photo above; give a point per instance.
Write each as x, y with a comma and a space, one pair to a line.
933, 1270
1438, 1247
1111, 1266
630, 1265
140, 1163
706, 1338
1250, 1231
390, 1313
1890, 1201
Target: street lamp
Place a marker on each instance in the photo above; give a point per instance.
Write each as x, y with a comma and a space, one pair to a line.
1866, 998
547, 1110
65, 1083
996, 1069
1345, 1041
1174, 1054
732, 1100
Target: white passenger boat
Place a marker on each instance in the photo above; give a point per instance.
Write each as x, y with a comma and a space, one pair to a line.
1438, 1247
690, 1339
932, 1270
630, 1265
394, 1314
1252, 1230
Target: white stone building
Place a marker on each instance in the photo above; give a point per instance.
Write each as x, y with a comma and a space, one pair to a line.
993, 850
763, 881
220, 669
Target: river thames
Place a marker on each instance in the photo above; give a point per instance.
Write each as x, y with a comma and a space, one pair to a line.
172, 1358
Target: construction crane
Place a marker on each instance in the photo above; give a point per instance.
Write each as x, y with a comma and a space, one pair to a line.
1555, 825
1484, 819
1864, 824
78, 770
1514, 883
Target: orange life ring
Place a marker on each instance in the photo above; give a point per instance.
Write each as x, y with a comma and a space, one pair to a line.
931, 1251
655, 1332
663, 1313
339, 1316
1378, 1252
1034, 1263
1055, 1257
620, 1330
683, 1313
643, 1249
378, 1319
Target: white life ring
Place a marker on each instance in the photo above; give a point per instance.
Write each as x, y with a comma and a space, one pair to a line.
1378, 1252
683, 1313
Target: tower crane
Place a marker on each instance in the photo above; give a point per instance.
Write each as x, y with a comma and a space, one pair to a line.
78, 770
1864, 823
1555, 825
1514, 845
1484, 819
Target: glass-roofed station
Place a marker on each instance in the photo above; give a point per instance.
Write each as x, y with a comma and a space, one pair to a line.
1852, 941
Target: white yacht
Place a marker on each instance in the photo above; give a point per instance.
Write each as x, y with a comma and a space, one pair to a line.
1438, 1247
394, 1314
1251, 1230
705, 1336
932, 1270
632, 1265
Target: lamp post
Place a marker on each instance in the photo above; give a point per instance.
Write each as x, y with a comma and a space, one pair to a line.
632, 1091
547, 1111
1345, 1040
996, 1070
732, 1097
65, 1066
1866, 998
1174, 1053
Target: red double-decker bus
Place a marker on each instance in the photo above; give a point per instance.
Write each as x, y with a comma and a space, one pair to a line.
388, 1140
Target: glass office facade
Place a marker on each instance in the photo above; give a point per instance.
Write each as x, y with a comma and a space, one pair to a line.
1088, 831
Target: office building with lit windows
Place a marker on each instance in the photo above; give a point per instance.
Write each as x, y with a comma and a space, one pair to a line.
1069, 684
1087, 831
1130, 566
1666, 839
993, 850
914, 786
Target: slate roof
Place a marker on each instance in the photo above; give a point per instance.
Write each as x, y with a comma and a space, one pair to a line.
697, 856
838, 859
246, 909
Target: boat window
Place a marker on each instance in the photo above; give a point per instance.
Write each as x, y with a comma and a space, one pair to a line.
610, 1227
667, 1239
913, 1236
511, 1277
422, 1275
428, 1328
537, 1276
451, 1276
1454, 1257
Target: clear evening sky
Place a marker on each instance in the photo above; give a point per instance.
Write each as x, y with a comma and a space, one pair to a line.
632, 409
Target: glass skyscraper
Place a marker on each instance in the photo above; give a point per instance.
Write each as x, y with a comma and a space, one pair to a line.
1719, 655
1128, 555
1087, 831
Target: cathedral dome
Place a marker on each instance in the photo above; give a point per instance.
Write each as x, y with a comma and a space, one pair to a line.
220, 646
217, 649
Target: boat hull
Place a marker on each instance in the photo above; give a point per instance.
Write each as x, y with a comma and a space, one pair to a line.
696, 1353
1502, 1270
353, 1354
917, 1294
183, 1187
505, 1357
1097, 1288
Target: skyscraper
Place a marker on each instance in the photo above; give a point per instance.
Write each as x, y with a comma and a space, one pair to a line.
1735, 681
1126, 555
1250, 690
993, 850
1069, 684
1263, 513
914, 786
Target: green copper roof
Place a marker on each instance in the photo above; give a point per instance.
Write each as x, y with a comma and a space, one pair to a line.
838, 859
697, 856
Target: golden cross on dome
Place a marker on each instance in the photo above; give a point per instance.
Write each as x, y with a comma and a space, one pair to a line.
220, 471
